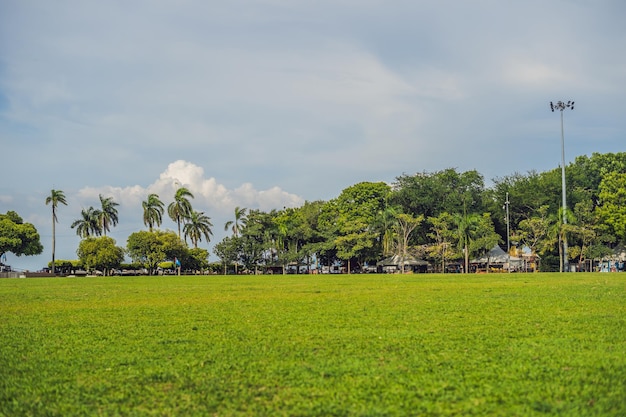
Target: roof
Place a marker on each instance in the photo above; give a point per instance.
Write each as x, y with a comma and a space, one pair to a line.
496, 256
396, 260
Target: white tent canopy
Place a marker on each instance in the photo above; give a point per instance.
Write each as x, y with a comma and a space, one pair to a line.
498, 256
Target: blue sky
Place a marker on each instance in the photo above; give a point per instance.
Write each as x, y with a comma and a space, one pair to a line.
266, 104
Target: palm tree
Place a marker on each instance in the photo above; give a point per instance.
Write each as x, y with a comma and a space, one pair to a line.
467, 224
198, 225
55, 197
108, 214
180, 209
153, 210
89, 224
240, 221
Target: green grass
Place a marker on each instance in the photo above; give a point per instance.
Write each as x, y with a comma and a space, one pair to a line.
359, 345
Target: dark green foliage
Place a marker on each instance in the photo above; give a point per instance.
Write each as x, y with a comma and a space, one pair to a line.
18, 237
100, 254
150, 248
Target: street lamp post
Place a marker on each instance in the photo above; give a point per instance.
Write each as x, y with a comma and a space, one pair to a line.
560, 105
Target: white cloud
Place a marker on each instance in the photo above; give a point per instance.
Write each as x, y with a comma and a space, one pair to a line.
209, 195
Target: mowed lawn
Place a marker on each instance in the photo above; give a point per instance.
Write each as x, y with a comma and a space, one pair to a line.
325, 345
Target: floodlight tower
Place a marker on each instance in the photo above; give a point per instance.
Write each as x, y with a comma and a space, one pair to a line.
560, 105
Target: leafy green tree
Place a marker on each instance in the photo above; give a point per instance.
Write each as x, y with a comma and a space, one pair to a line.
18, 237
89, 224
228, 251
534, 232
587, 172
236, 225
442, 235
108, 215
197, 226
180, 209
405, 225
197, 259
153, 210
150, 248
612, 203
350, 220
589, 233
256, 242
100, 253
55, 198
430, 194
312, 241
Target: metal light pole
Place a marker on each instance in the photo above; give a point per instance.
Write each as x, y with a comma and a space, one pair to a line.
559, 105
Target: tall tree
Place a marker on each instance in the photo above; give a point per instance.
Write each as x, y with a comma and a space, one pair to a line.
18, 237
430, 194
534, 231
89, 224
198, 225
239, 222
442, 235
612, 200
406, 223
467, 226
108, 214
153, 209
55, 198
476, 235
180, 209
349, 220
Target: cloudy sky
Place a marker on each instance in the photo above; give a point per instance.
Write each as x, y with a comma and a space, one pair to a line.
268, 103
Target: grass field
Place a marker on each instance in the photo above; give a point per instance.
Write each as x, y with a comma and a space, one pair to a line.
331, 345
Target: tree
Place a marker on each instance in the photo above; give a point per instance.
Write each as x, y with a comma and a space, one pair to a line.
197, 259
612, 203
108, 214
534, 231
18, 237
227, 250
153, 210
384, 222
442, 235
349, 220
89, 223
55, 198
180, 209
240, 221
198, 225
430, 194
150, 248
475, 235
100, 253
256, 239
406, 223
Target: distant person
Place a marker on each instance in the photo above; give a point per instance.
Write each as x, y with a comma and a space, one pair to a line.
177, 264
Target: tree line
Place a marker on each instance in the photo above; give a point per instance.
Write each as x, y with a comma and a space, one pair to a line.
442, 217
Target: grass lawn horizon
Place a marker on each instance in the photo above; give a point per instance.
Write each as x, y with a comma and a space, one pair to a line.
543, 344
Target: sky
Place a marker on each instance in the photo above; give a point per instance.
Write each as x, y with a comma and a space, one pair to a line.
269, 103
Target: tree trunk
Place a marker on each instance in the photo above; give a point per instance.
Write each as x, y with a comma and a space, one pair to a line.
53, 238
